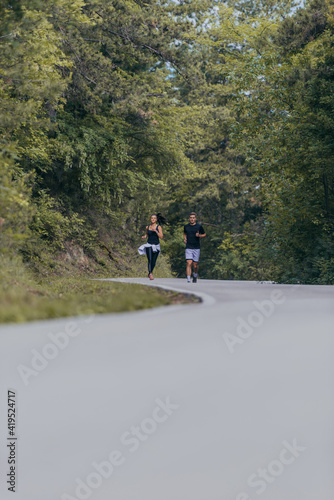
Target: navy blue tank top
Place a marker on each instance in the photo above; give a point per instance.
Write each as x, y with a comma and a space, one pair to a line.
153, 238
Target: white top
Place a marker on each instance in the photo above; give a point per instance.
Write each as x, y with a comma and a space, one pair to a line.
142, 249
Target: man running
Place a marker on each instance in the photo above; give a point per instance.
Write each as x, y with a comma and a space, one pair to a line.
192, 234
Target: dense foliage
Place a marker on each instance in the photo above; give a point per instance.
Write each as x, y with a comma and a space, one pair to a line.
113, 110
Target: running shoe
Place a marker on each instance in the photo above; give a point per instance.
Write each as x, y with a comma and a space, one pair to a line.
194, 279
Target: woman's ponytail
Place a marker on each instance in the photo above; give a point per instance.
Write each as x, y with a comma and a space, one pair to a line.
160, 219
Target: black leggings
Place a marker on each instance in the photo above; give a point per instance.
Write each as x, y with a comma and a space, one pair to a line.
151, 258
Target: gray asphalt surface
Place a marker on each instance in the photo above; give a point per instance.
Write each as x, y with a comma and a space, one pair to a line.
230, 399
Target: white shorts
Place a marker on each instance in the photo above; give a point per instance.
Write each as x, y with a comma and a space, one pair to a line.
193, 254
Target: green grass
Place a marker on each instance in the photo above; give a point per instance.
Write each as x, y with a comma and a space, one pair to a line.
23, 298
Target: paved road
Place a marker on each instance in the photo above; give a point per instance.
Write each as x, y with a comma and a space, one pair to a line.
230, 399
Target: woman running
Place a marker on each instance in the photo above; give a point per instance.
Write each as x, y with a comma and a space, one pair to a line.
152, 247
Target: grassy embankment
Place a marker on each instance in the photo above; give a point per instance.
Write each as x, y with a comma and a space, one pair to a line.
23, 298
27, 296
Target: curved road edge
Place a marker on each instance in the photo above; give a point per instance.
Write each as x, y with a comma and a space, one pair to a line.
205, 298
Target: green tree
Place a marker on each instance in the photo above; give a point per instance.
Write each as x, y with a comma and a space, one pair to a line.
284, 101
29, 85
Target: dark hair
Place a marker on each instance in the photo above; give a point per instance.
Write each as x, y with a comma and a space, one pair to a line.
192, 213
160, 218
